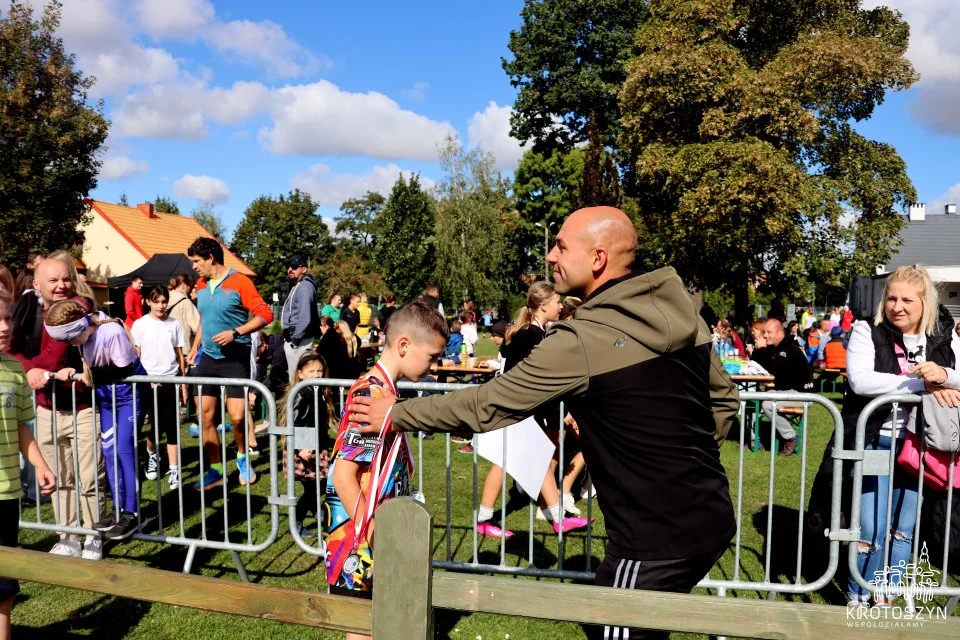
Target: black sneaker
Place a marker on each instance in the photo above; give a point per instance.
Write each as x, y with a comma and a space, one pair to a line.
108, 522
125, 527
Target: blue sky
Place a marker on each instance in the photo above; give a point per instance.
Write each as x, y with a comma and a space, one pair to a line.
220, 102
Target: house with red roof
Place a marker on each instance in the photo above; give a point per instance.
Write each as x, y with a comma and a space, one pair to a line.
119, 239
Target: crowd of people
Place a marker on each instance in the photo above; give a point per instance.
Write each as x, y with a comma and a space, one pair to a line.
635, 364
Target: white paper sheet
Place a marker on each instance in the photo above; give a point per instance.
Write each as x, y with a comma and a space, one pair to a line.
529, 451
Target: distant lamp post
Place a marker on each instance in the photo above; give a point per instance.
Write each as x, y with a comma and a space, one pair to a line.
547, 228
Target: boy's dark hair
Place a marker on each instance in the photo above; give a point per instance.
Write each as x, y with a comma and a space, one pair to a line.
206, 248
135, 278
389, 297
158, 292
418, 319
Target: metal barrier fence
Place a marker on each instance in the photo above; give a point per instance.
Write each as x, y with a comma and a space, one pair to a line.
154, 521
165, 521
306, 438
912, 580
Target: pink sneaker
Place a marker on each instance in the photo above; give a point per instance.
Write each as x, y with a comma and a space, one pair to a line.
571, 523
493, 531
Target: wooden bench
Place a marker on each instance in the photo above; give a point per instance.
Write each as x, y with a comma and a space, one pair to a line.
795, 416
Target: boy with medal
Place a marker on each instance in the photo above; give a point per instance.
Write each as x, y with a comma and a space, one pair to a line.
367, 470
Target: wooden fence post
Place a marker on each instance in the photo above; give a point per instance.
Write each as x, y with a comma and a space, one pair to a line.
403, 585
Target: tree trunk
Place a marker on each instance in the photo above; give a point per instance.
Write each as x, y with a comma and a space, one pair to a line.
741, 305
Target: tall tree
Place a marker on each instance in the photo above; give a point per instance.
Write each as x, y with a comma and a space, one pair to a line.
346, 273
749, 168
274, 228
356, 226
211, 221
50, 137
546, 189
122, 200
405, 240
474, 214
569, 61
163, 204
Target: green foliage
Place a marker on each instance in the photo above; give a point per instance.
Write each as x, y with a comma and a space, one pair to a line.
404, 242
345, 273
568, 63
211, 221
122, 200
473, 221
274, 228
739, 114
163, 204
356, 226
546, 189
50, 138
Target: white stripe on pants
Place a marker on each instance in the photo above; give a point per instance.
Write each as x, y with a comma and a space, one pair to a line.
627, 572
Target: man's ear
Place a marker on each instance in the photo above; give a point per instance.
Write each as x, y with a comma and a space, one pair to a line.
600, 259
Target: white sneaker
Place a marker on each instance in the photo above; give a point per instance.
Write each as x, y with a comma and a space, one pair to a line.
589, 492
569, 505
173, 477
92, 549
153, 463
67, 547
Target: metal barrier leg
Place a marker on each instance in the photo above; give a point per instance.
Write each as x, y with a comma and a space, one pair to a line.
240, 568
188, 562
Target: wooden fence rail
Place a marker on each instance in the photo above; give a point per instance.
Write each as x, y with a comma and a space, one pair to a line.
407, 590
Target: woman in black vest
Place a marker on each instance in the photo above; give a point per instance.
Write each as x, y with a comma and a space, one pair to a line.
910, 348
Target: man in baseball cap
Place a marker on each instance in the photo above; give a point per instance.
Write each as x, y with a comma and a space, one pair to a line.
299, 318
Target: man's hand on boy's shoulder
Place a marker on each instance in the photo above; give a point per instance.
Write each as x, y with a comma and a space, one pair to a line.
369, 412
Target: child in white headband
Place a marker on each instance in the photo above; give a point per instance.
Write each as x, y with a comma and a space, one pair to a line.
109, 353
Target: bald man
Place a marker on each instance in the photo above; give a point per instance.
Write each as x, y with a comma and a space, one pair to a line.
57, 433
636, 371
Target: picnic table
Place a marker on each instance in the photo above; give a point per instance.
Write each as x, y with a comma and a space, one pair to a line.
463, 373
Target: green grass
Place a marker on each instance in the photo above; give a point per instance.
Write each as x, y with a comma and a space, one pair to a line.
53, 612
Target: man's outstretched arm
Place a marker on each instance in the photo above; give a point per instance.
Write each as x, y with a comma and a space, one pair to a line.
556, 367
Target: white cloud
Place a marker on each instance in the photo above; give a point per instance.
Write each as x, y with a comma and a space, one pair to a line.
262, 43
322, 119
951, 196
265, 43
202, 188
174, 18
417, 92
490, 130
332, 190
96, 31
935, 52
180, 110
118, 167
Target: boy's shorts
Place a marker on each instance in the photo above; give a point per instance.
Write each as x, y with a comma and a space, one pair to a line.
9, 533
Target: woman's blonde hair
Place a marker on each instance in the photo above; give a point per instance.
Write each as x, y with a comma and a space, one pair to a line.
920, 279
79, 286
344, 329
537, 294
